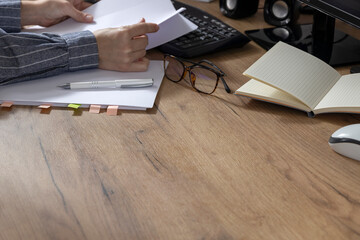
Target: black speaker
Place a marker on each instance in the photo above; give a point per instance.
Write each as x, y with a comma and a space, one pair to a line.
281, 12
238, 8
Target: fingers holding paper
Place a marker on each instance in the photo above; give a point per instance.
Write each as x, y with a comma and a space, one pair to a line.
123, 49
49, 12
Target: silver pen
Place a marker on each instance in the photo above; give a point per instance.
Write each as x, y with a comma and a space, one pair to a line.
123, 83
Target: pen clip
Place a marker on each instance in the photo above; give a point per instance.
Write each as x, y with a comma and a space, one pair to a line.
136, 85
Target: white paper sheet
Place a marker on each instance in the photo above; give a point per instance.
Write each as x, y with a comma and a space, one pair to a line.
117, 13
45, 90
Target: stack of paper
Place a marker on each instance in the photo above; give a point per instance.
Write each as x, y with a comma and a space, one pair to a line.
107, 13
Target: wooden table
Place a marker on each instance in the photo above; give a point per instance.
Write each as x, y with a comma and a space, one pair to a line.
193, 167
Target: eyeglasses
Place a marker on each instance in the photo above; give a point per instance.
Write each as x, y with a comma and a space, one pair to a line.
203, 76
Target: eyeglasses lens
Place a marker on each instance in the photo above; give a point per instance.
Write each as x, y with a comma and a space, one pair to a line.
205, 81
175, 69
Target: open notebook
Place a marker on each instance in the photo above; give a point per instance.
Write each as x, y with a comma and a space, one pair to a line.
289, 76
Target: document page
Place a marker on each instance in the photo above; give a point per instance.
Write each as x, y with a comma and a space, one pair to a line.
117, 13
344, 96
296, 72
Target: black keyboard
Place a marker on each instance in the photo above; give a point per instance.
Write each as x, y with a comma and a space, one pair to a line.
212, 35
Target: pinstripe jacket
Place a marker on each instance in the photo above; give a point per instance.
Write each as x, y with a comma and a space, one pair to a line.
26, 56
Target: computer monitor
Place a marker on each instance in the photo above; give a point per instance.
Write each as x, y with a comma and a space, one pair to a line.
320, 38
346, 10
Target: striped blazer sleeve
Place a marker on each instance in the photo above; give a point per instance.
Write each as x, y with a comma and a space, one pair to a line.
10, 15
27, 56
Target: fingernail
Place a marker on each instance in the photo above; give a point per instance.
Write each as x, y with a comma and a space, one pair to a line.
88, 18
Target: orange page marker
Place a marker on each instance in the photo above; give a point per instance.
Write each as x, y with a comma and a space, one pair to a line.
112, 110
6, 104
94, 108
45, 106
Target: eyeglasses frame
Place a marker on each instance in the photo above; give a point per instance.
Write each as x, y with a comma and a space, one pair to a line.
216, 70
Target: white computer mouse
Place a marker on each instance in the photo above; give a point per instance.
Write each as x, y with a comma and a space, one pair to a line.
346, 141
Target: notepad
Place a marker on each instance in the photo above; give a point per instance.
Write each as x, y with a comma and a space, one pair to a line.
45, 90
291, 77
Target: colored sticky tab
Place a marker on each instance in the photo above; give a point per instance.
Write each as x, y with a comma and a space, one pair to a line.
75, 106
94, 108
45, 106
6, 104
112, 110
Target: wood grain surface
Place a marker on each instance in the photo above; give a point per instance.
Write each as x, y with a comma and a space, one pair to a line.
193, 167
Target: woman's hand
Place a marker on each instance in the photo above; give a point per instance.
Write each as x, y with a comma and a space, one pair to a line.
49, 12
123, 49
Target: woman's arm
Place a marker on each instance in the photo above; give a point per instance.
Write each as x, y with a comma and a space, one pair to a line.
26, 56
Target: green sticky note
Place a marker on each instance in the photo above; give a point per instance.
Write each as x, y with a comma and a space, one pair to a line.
75, 106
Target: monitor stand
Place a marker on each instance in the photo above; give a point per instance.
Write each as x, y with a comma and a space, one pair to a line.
320, 39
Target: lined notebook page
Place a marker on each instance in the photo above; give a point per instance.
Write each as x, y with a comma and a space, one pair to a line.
294, 71
259, 90
344, 95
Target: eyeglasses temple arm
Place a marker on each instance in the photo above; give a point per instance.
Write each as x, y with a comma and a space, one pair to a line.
221, 74
213, 65
227, 89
